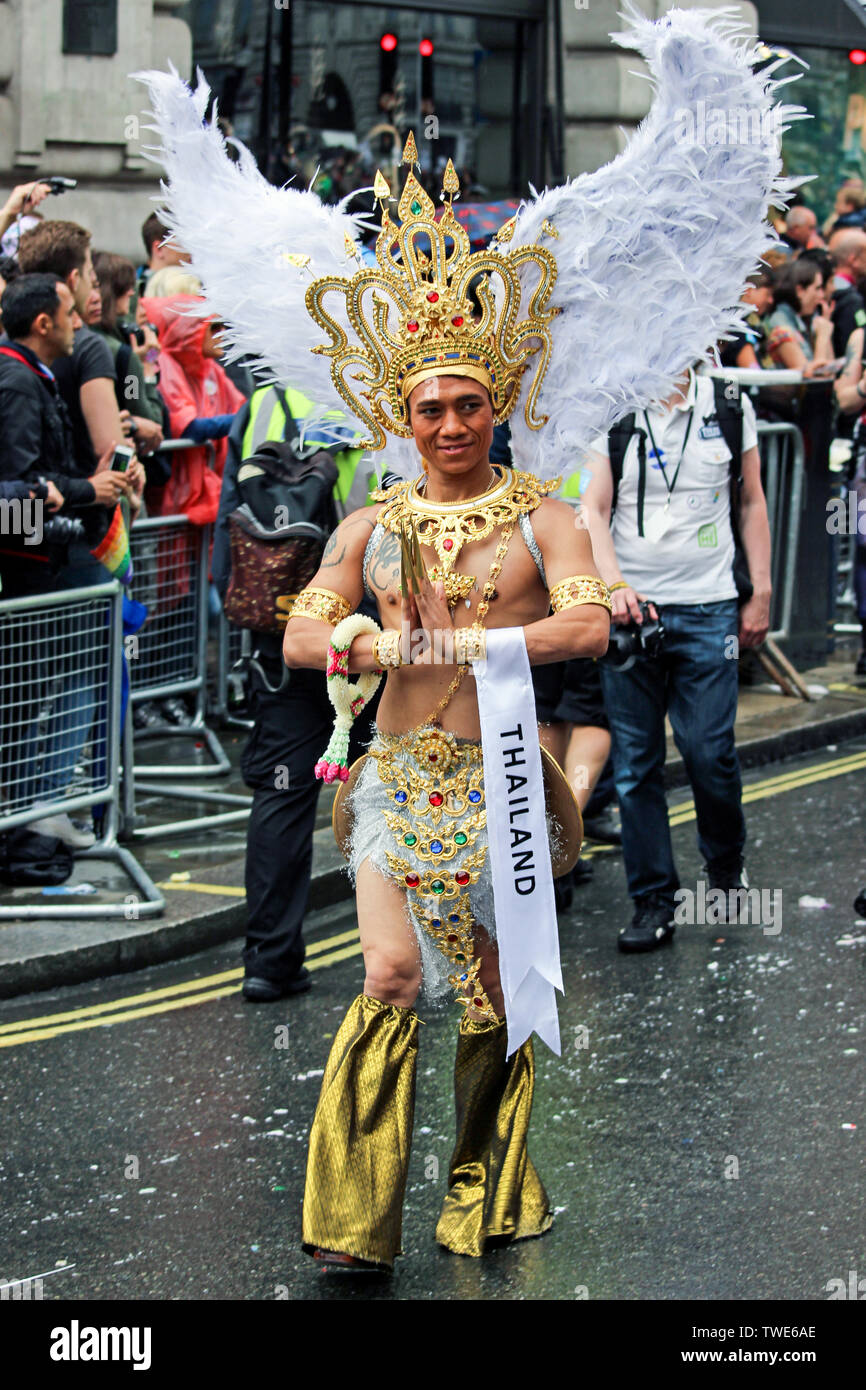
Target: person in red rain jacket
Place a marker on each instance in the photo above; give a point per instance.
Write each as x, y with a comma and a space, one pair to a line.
201, 402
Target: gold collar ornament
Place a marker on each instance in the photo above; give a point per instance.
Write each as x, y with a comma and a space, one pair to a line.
412, 316
447, 526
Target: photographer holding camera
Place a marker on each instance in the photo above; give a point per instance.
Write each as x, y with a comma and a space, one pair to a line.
35, 437
682, 484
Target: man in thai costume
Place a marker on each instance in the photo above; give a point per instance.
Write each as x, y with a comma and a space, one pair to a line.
453, 823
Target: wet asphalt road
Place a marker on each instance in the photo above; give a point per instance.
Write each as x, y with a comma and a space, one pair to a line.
701, 1136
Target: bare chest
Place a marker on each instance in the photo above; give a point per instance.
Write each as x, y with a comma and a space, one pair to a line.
518, 591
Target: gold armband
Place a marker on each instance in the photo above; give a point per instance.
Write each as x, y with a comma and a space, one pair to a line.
387, 652
470, 644
579, 588
323, 604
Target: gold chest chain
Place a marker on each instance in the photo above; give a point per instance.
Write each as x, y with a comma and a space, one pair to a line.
447, 526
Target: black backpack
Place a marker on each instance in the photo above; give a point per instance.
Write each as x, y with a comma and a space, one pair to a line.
278, 533
30, 858
729, 412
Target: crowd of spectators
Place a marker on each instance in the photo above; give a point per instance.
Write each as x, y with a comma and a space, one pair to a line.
101, 363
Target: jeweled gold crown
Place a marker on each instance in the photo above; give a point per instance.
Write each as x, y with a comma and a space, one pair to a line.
412, 317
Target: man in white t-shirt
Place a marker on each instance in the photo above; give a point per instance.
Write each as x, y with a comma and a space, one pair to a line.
671, 542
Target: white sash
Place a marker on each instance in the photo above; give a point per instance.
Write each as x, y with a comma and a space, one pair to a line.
519, 850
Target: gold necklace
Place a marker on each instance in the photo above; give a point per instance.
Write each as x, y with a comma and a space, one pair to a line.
447, 526
406, 740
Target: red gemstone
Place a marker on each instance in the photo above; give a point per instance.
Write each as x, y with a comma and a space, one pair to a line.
434, 758
436, 798
462, 878
433, 296
479, 1003
452, 937
412, 327
448, 544
457, 320
412, 880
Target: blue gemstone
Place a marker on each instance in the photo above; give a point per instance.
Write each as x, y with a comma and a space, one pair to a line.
454, 917
464, 977
436, 922
435, 846
401, 797
474, 796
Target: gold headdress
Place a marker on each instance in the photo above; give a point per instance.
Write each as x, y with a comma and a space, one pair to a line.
411, 317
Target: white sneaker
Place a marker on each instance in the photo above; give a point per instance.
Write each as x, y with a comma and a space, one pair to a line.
61, 827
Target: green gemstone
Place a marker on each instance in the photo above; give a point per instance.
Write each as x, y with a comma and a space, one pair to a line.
460, 838
460, 960
437, 886
410, 839
415, 208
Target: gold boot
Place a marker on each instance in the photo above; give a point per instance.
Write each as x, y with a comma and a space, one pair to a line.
362, 1130
493, 1188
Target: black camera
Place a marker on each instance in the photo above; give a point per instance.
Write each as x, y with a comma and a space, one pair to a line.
59, 185
62, 530
631, 640
129, 329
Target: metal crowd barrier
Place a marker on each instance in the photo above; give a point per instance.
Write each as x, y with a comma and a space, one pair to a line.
60, 717
168, 657
846, 599
782, 464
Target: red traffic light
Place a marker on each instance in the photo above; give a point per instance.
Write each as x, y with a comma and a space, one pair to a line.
425, 48
388, 43
857, 56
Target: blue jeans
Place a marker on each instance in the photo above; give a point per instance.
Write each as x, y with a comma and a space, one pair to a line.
694, 682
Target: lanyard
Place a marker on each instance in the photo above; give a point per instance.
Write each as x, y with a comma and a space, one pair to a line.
670, 486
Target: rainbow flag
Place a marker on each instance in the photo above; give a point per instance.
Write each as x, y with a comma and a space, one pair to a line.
113, 549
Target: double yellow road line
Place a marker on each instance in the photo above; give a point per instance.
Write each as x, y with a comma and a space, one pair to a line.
160, 1001
333, 949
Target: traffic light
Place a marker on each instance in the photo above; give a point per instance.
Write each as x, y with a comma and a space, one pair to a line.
425, 48
388, 53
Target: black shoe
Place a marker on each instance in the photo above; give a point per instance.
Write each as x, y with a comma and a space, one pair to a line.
175, 712
729, 875
582, 872
860, 904
605, 828
258, 990
860, 668
652, 925
147, 716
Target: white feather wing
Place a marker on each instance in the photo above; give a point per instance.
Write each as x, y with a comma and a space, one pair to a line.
238, 230
654, 249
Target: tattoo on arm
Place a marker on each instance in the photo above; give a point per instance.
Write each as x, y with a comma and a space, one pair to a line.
330, 557
384, 568
337, 544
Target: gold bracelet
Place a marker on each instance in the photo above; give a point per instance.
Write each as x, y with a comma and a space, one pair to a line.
620, 584
470, 644
577, 589
386, 649
323, 604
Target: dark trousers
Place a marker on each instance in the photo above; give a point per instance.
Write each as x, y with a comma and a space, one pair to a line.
694, 682
291, 732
